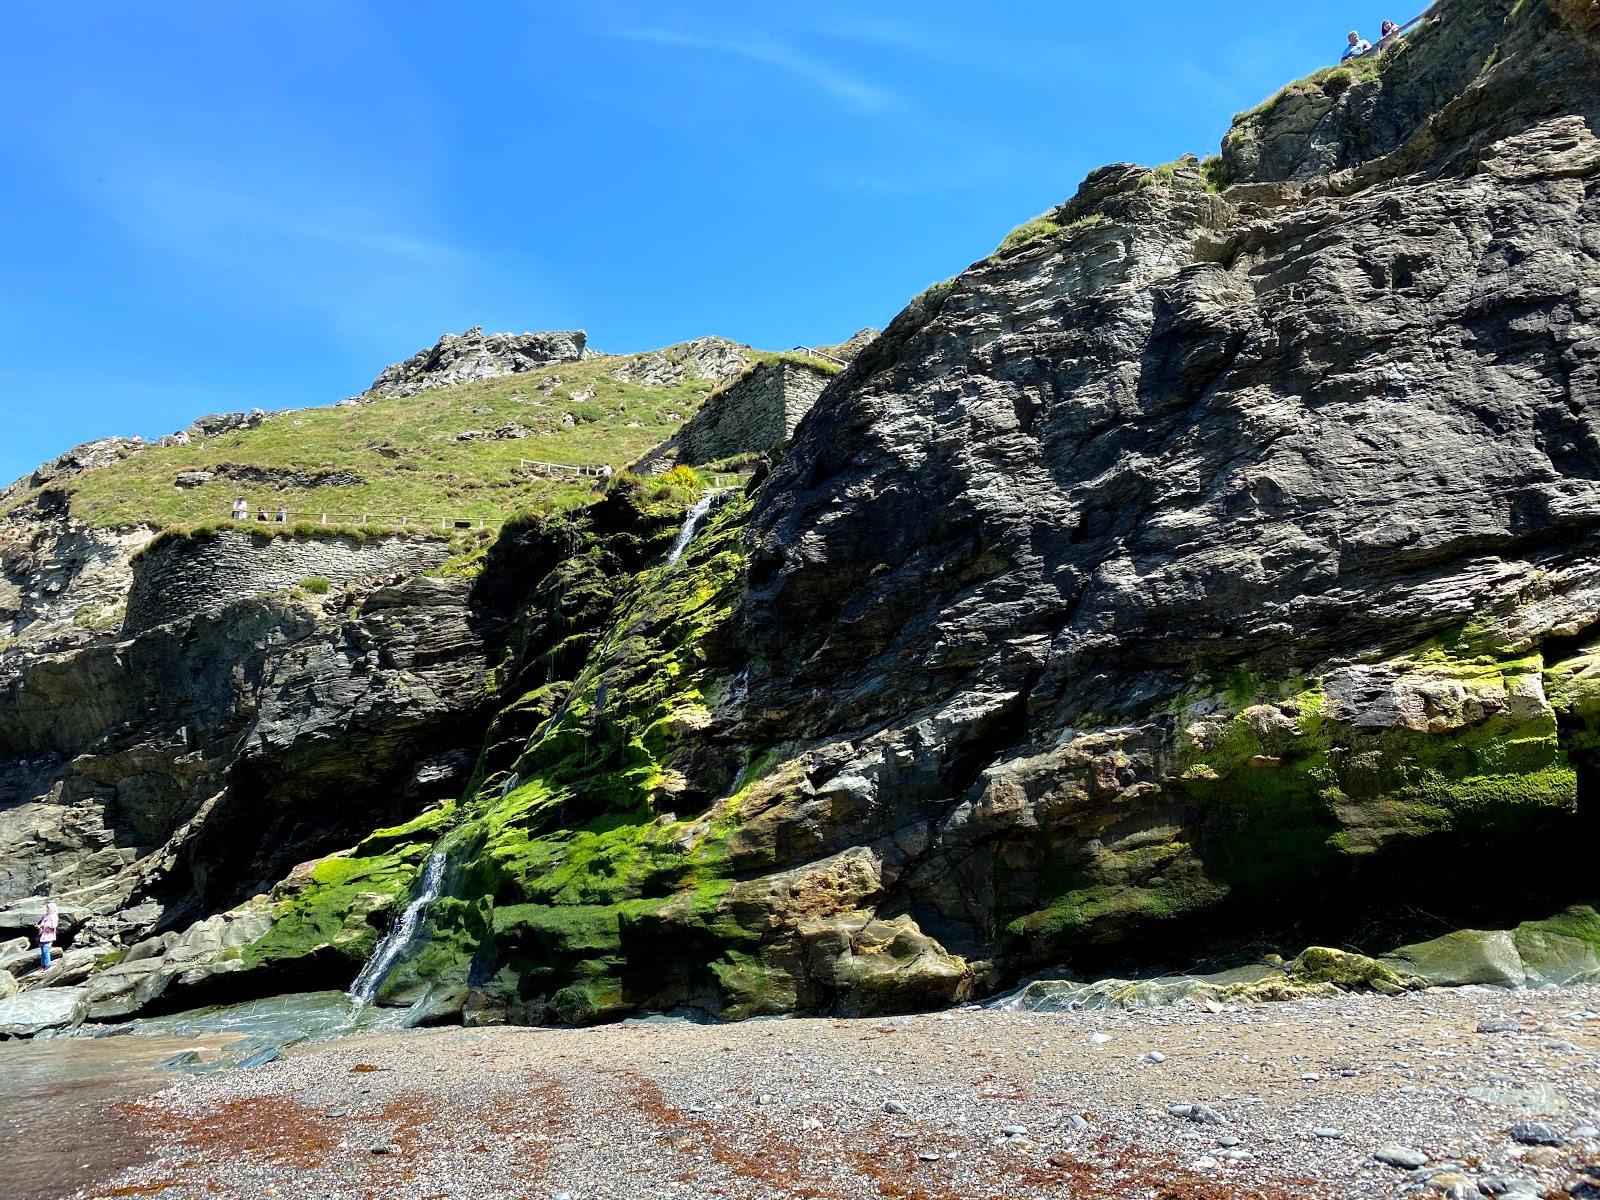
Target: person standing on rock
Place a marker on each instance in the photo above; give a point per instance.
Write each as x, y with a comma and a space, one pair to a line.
47, 933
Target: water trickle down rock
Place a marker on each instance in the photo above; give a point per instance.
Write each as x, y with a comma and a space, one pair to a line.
691, 522
398, 940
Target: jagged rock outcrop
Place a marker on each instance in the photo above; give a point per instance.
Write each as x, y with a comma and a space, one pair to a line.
1211, 549
703, 358
63, 583
473, 356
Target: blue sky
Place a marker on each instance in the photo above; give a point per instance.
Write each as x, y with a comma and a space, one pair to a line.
205, 207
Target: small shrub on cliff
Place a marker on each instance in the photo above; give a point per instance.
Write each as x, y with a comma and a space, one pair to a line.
1041, 226
316, 585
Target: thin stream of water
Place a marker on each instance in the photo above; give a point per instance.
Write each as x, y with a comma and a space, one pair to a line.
691, 522
405, 929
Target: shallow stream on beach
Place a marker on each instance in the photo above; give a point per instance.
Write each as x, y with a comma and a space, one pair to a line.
60, 1121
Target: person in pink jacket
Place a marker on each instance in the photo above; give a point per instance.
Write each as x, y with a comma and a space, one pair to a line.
47, 932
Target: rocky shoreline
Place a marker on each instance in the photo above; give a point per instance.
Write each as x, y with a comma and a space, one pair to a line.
1204, 1100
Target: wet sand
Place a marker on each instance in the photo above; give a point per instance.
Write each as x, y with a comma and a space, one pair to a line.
62, 1126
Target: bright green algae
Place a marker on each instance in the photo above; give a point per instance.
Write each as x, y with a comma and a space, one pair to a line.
584, 891
1265, 792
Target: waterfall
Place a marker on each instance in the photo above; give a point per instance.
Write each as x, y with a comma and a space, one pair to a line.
691, 520
366, 985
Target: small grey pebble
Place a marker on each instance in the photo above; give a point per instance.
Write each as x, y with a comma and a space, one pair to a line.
1013, 1130
1077, 1121
1227, 1143
1325, 1131
894, 1106
333, 1114
391, 1148
1585, 1131
1155, 1056
1180, 1110
1204, 1114
1499, 1025
930, 1156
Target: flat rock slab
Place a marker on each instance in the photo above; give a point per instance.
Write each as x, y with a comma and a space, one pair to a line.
36, 1011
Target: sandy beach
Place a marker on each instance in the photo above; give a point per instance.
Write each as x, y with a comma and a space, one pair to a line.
1266, 1101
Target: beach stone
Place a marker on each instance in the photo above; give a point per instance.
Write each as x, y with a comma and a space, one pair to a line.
1529, 1098
894, 1106
1453, 1185
259, 1058
1155, 1056
1014, 1130
1327, 1132
35, 1011
1465, 957
1536, 1133
1401, 1156
1077, 1121
1499, 1025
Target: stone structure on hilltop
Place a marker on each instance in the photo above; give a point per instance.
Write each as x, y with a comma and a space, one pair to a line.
473, 356
758, 411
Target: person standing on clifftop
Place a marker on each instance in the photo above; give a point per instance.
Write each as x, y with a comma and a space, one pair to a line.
241, 510
47, 933
1358, 46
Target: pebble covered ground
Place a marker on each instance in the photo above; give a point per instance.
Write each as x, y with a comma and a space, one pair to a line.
1251, 1102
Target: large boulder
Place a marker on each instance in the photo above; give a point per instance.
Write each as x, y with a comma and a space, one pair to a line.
42, 1009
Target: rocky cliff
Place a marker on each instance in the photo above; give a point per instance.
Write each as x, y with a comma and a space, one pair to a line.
1211, 568
473, 356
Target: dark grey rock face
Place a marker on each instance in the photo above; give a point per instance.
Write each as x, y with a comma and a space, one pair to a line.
1001, 577
472, 356
156, 780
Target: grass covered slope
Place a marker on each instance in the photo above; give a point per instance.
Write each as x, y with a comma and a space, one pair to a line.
451, 452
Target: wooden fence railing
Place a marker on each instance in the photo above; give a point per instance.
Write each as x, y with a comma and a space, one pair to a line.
812, 352
603, 471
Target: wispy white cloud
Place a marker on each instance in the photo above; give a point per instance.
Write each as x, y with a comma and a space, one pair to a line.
307, 243
845, 88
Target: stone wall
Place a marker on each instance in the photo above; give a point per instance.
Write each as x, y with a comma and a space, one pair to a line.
758, 412
190, 575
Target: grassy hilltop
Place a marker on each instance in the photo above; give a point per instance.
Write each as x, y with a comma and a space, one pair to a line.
405, 456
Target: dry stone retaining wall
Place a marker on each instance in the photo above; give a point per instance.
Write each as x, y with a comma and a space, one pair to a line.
757, 413
191, 575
